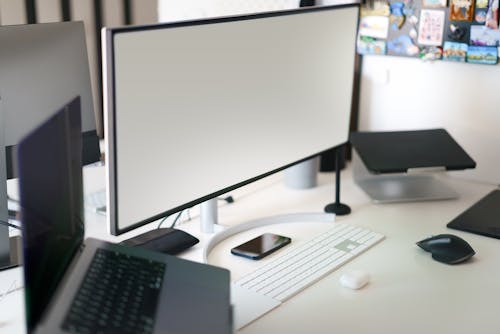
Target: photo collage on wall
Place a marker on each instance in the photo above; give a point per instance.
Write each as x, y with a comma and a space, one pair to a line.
452, 30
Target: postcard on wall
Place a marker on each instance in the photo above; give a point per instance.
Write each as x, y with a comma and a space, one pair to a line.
374, 26
431, 53
481, 4
480, 11
378, 8
430, 31
458, 32
483, 36
434, 3
492, 15
371, 46
402, 46
480, 15
461, 10
455, 51
482, 55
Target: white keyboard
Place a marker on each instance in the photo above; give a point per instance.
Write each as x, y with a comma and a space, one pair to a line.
301, 266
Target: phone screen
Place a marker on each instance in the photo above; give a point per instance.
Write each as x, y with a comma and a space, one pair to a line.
261, 246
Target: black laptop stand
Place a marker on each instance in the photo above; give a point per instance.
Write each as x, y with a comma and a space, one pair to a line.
400, 166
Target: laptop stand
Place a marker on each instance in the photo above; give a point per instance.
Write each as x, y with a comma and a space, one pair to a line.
403, 166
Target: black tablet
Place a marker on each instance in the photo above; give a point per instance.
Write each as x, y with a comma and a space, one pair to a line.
481, 218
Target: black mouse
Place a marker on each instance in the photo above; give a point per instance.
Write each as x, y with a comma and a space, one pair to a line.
447, 248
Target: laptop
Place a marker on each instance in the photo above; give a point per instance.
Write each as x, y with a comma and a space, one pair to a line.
91, 286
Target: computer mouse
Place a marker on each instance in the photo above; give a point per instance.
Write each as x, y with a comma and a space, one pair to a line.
447, 248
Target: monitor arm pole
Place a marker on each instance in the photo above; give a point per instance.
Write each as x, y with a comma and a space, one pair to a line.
338, 208
208, 215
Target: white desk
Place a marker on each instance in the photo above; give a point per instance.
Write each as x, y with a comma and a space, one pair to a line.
408, 292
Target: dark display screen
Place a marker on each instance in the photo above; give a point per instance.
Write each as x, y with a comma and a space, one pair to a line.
50, 185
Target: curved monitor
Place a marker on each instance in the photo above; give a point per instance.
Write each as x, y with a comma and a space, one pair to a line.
195, 109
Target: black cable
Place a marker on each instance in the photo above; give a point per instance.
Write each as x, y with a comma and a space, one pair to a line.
2, 222
12, 288
176, 219
161, 222
228, 199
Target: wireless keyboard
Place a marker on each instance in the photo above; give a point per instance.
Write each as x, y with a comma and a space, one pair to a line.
299, 267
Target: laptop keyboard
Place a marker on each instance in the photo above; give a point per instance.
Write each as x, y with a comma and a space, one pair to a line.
119, 294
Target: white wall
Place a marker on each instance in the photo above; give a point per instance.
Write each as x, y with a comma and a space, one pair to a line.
405, 93
173, 10
334, 2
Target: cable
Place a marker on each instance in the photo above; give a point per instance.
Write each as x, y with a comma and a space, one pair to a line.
228, 199
176, 219
161, 222
174, 222
2, 222
12, 288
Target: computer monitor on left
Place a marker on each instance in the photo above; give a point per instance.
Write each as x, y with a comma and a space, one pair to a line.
44, 66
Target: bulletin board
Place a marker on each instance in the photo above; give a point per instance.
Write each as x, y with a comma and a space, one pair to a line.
449, 30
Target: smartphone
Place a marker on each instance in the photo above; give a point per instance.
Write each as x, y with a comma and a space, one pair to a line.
261, 246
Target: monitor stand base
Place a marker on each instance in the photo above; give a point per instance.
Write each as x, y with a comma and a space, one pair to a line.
339, 209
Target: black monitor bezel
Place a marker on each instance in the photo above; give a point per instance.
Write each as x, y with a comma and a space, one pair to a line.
109, 35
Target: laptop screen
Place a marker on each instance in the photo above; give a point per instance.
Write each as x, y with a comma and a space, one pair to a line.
51, 197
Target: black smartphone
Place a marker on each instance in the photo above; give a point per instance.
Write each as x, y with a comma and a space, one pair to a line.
261, 246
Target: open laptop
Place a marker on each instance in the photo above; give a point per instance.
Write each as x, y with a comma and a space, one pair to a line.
90, 286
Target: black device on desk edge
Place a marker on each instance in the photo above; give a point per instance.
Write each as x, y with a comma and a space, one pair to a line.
165, 240
261, 246
76, 285
482, 218
447, 248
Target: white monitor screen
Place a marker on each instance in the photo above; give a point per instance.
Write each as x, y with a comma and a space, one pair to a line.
196, 108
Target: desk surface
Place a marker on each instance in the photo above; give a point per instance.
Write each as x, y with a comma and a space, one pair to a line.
408, 292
